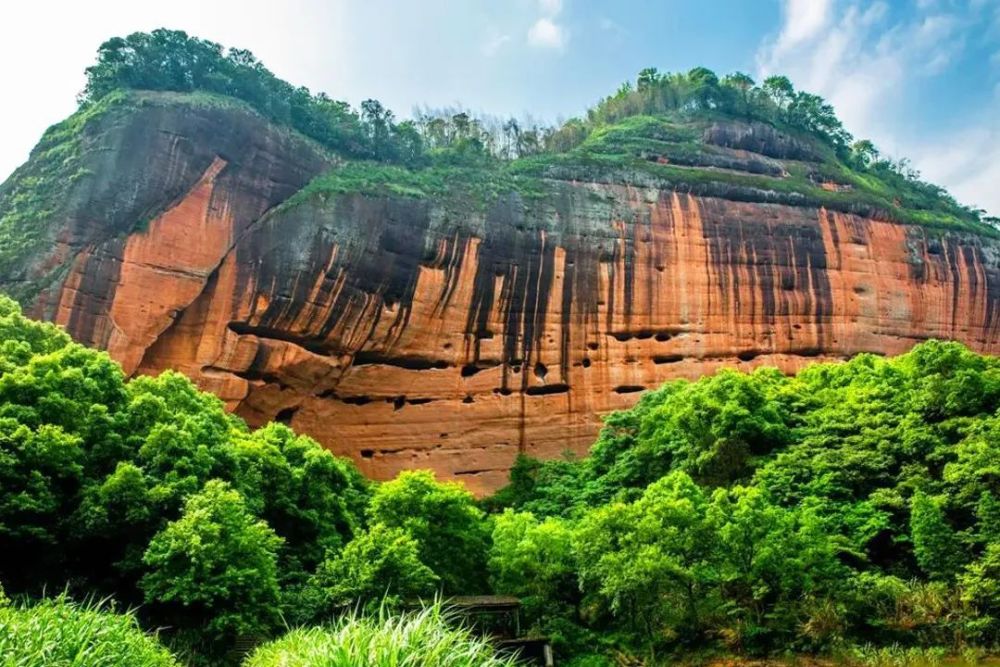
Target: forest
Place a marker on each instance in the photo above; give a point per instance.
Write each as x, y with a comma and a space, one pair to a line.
854, 507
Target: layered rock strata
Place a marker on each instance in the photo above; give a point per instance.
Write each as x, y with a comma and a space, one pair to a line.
406, 334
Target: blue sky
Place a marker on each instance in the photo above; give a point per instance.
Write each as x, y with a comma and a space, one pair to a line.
919, 77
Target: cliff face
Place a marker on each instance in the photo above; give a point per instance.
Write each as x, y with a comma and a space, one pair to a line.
406, 332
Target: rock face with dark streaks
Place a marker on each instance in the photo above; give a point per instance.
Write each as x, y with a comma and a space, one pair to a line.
406, 332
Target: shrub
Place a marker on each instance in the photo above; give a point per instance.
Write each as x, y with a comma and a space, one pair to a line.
427, 637
61, 633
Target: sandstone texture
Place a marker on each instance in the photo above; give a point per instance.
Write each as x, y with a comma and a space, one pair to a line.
406, 333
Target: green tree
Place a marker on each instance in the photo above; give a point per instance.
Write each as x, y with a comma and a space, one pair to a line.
780, 90
988, 518
981, 588
40, 477
864, 153
445, 522
313, 500
773, 560
381, 565
534, 560
742, 84
704, 87
935, 544
653, 562
714, 430
648, 77
215, 568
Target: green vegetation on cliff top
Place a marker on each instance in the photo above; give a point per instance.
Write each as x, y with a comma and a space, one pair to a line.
32, 197
650, 133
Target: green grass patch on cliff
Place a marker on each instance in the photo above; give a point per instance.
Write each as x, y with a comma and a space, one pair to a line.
665, 151
668, 151
32, 198
458, 187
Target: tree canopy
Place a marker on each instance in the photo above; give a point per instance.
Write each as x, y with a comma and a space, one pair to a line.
773, 511
754, 513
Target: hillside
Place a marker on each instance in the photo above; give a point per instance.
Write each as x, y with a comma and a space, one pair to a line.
427, 295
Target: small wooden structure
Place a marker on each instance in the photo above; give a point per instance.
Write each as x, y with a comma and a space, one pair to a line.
499, 618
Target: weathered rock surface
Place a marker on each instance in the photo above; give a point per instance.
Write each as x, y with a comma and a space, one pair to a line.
405, 336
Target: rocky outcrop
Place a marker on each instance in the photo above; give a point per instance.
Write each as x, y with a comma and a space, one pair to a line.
167, 189
407, 334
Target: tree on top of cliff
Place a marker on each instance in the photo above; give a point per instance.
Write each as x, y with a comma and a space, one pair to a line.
172, 60
775, 101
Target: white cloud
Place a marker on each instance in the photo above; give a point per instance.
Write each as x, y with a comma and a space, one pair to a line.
803, 19
613, 28
550, 7
493, 43
547, 34
967, 161
848, 52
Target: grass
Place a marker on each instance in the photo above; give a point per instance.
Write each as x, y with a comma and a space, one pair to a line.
459, 188
622, 152
423, 638
31, 199
60, 633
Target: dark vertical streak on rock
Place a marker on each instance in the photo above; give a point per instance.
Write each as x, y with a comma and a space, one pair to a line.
566, 311
96, 291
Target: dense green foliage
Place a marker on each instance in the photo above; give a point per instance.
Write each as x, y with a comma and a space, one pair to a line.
761, 512
171, 60
215, 568
59, 633
428, 637
444, 521
701, 93
148, 491
750, 513
380, 567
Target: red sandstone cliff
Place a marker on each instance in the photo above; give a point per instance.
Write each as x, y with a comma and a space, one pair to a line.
405, 336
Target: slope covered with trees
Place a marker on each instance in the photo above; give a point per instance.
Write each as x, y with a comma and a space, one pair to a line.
148, 491
854, 501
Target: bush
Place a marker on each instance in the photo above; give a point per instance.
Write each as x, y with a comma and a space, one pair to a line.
427, 637
380, 566
445, 522
61, 633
